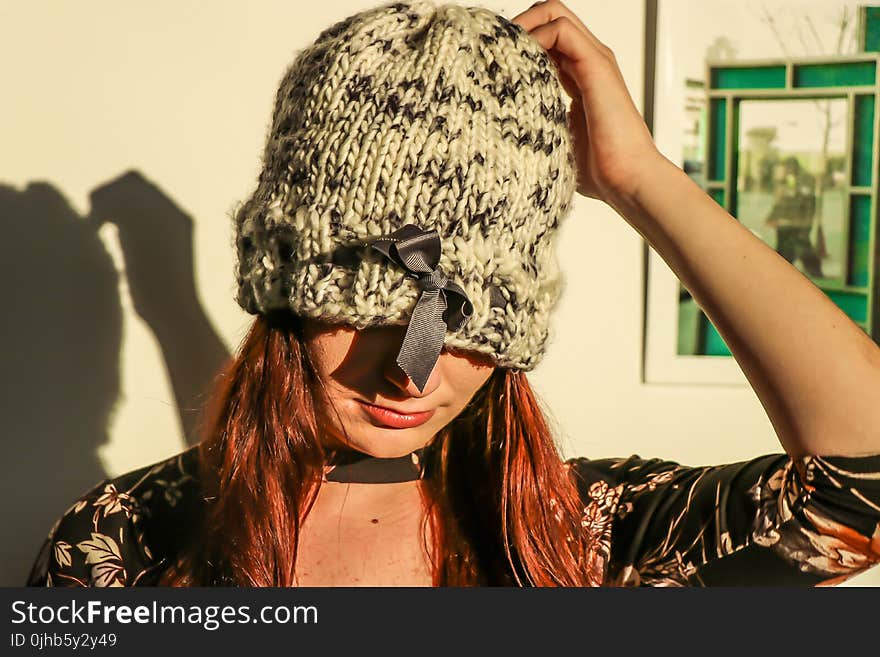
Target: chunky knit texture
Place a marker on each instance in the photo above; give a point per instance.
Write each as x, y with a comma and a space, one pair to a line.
443, 116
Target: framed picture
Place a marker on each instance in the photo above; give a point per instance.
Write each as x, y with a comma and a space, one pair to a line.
772, 107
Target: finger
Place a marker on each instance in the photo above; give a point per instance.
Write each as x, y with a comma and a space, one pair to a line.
545, 12
568, 45
591, 69
568, 83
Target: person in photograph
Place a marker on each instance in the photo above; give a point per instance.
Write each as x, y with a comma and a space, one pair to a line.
377, 427
793, 215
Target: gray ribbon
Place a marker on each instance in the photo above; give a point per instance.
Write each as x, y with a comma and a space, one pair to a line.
442, 306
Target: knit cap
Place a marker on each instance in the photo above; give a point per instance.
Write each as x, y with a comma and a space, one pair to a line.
416, 170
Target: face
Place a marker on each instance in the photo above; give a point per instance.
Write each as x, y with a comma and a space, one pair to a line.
359, 372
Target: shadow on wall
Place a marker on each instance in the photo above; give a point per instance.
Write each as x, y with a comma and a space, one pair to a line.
61, 339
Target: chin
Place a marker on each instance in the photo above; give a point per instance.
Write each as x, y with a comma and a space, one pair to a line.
389, 443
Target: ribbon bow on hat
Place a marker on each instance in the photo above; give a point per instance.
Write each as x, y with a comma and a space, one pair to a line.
442, 306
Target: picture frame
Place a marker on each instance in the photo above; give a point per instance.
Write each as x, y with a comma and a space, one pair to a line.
732, 128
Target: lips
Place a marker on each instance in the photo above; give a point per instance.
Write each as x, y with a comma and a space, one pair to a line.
386, 417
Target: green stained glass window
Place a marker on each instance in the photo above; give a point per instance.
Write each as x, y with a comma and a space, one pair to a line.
713, 343
853, 304
717, 138
863, 140
834, 75
764, 77
787, 173
872, 29
859, 239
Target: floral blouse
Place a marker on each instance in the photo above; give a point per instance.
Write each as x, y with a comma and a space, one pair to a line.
771, 520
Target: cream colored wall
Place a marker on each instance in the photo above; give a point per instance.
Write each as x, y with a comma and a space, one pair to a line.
183, 92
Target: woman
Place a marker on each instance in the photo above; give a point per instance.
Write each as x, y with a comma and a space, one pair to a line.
377, 426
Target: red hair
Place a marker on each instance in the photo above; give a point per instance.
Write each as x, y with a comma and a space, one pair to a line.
486, 482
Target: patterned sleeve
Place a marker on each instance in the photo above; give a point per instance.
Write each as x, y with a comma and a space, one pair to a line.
90, 544
771, 520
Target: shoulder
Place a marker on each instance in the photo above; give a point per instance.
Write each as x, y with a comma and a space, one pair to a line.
608, 483
162, 484
112, 534
621, 470
601, 483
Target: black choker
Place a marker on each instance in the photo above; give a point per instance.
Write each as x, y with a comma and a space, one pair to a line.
355, 467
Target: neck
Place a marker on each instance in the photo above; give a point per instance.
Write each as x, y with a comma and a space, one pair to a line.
368, 501
355, 467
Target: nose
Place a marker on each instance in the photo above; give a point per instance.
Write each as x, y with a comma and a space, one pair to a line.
393, 373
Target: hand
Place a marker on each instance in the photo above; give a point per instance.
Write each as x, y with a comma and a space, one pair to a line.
156, 240
613, 145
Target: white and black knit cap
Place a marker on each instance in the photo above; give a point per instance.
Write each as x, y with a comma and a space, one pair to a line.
416, 170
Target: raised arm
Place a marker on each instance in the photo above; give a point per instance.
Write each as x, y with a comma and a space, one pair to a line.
820, 388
